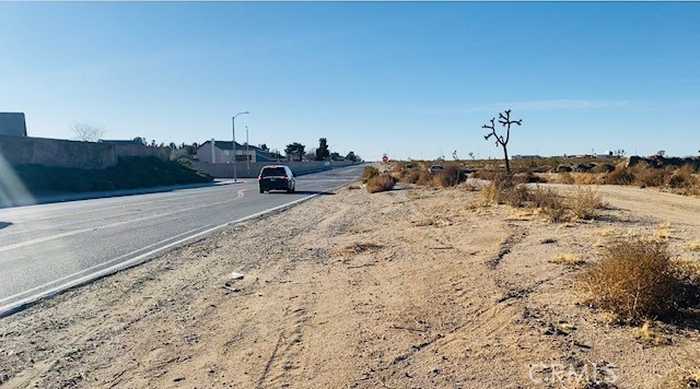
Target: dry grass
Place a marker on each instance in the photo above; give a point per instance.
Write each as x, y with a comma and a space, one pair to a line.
694, 246
582, 205
585, 203
571, 260
620, 176
647, 176
636, 279
550, 203
683, 180
650, 334
664, 231
566, 178
381, 183
587, 179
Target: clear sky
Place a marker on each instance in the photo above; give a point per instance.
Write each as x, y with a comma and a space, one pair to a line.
408, 79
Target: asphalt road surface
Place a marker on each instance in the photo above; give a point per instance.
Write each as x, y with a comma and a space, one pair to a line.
47, 248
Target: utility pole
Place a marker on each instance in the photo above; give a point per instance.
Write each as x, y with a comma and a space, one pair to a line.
233, 145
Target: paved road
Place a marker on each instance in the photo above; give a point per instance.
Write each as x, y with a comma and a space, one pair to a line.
44, 248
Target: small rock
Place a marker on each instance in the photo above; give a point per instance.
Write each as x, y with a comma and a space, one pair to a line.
179, 379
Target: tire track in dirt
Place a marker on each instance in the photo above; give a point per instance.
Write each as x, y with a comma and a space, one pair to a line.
518, 235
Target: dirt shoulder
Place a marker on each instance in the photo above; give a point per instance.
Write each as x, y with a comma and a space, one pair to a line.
408, 288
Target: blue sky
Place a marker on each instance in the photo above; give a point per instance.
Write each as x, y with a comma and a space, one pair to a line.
408, 79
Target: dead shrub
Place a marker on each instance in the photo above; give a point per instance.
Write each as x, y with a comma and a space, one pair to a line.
620, 176
451, 176
566, 178
682, 178
551, 204
380, 183
410, 176
585, 202
424, 178
636, 279
586, 179
369, 172
648, 176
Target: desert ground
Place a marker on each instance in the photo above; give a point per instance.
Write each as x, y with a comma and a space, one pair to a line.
413, 287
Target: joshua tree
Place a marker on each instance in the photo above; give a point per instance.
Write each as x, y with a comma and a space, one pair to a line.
505, 122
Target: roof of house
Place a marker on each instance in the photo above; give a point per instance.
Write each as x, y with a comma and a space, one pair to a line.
228, 145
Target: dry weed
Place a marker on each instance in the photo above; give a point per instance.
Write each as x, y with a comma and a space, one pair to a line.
636, 279
369, 172
585, 203
571, 260
380, 183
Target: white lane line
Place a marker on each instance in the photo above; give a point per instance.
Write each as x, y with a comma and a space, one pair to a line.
101, 264
240, 194
18, 305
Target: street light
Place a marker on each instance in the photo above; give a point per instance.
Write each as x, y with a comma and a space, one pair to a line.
247, 154
233, 146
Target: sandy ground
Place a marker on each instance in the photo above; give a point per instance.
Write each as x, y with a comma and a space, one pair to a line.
409, 288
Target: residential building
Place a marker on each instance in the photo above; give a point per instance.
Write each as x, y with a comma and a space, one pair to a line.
217, 151
13, 123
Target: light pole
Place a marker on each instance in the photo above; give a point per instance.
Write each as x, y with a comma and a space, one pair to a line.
247, 155
233, 145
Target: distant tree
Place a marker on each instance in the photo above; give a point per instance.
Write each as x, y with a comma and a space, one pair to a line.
322, 152
661, 153
351, 157
140, 140
455, 156
295, 151
173, 146
502, 140
87, 133
619, 153
310, 155
264, 147
336, 157
471, 155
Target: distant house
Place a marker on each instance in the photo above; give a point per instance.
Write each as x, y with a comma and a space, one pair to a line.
13, 123
527, 157
222, 152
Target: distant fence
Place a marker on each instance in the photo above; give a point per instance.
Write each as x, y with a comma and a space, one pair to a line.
225, 170
22, 150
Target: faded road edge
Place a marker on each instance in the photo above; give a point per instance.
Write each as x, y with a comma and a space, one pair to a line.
10, 309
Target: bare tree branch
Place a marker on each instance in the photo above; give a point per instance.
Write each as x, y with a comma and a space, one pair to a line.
87, 133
